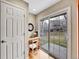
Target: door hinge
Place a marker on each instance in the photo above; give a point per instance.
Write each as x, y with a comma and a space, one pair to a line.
24, 52
24, 34
24, 15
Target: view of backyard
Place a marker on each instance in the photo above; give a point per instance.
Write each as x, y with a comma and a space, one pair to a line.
54, 36
57, 44
57, 38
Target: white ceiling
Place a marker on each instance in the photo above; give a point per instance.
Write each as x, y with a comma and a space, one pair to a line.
36, 6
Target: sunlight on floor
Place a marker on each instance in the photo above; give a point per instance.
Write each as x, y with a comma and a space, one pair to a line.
40, 55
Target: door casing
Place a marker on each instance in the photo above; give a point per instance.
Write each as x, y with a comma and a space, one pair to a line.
68, 11
16, 6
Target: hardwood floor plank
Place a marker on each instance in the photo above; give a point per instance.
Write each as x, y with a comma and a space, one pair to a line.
40, 55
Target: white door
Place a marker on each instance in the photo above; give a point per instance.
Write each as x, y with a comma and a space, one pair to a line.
12, 32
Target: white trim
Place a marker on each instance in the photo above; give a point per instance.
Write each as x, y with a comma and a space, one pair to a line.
77, 30
19, 7
68, 11
58, 12
12, 4
69, 32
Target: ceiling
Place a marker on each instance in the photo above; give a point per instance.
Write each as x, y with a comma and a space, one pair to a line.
36, 6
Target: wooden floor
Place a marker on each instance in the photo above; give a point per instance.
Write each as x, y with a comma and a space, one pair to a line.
40, 55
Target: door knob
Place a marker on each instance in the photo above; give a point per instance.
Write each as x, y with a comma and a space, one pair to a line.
3, 41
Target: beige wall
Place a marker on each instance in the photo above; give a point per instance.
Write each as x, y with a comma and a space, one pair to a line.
63, 4
20, 3
31, 20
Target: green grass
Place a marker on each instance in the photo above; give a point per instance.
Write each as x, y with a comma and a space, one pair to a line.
60, 43
57, 38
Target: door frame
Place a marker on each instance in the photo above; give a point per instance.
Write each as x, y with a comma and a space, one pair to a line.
69, 25
12, 4
77, 6
17, 6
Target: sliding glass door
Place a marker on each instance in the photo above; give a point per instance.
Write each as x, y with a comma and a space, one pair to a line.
53, 33
44, 33
58, 33
54, 37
